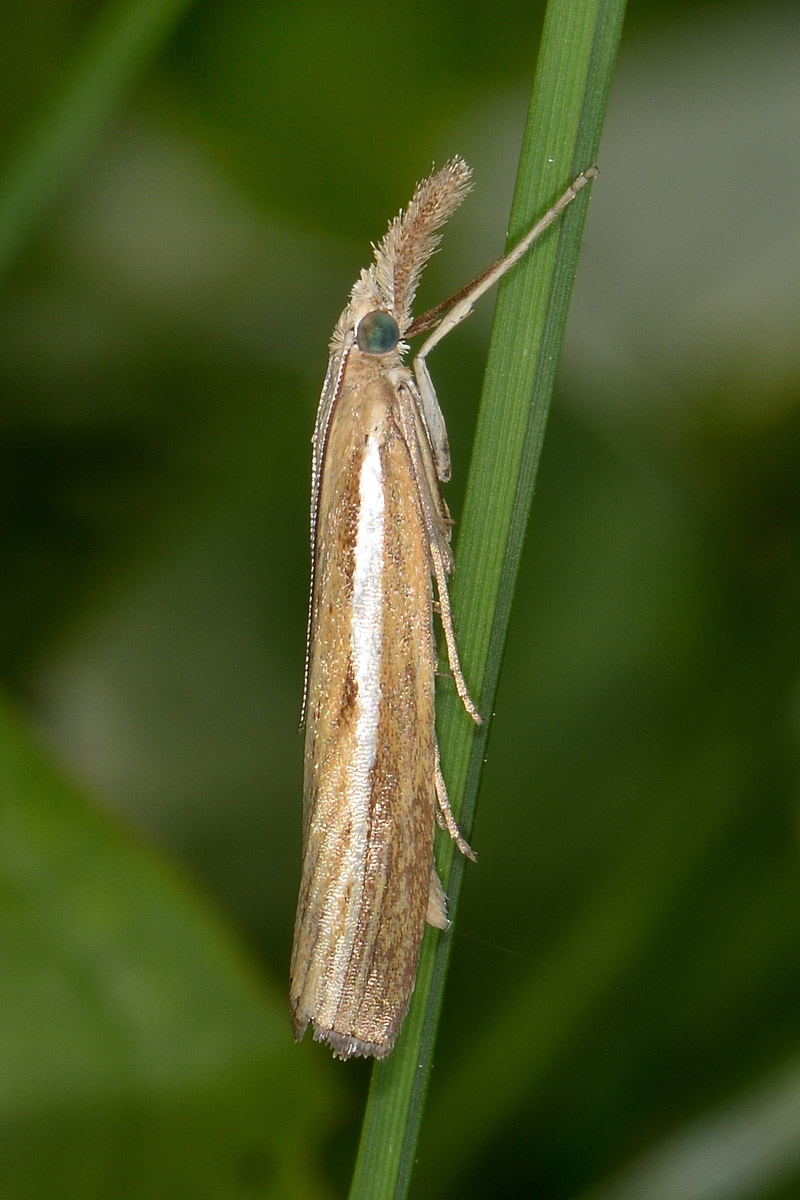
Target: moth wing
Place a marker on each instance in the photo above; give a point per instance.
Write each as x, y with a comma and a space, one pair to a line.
341, 344
368, 846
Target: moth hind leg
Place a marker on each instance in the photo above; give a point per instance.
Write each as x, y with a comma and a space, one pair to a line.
437, 900
445, 818
446, 613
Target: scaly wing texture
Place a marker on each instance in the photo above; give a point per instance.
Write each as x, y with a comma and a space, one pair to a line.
368, 849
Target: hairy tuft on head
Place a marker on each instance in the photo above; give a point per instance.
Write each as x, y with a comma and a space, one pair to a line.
413, 236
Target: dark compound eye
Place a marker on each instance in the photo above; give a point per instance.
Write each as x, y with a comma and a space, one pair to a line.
377, 333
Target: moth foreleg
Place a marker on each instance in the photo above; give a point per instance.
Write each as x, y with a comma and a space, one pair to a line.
434, 420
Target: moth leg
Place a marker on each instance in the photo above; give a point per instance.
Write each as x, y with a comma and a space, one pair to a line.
436, 524
433, 415
440, 574
458, 313
465, 299
437, 903
445, 816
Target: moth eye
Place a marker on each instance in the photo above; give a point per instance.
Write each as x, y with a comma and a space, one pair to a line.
377, 333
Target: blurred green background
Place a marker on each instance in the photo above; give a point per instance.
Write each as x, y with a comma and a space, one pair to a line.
622, 1018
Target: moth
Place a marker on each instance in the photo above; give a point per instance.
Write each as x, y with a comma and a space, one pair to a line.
380, 541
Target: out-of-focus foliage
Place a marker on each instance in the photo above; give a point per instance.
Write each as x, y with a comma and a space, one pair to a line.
622, 1018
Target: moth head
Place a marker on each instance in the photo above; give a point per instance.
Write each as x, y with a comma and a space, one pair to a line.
387, 288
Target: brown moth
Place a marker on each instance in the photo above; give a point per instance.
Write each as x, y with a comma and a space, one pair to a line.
380, 537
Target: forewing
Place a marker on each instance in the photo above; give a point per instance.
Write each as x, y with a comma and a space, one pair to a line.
368, 849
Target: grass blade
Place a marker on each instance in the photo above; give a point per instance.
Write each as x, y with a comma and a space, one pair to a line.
576, 63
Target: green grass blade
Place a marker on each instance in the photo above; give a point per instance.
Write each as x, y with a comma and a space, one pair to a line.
119, 45
554, 999
576, 63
